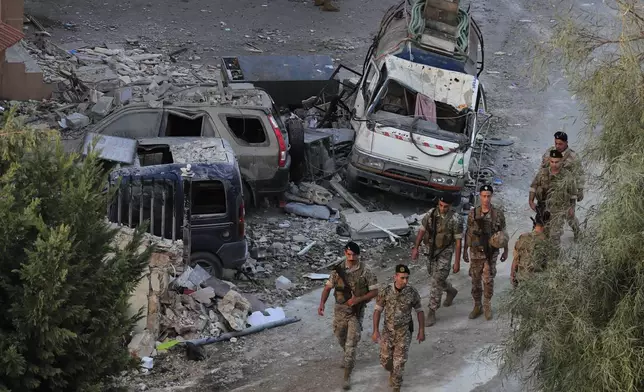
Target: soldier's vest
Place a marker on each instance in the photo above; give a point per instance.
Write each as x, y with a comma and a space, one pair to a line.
357, 282
444, 234
482, 227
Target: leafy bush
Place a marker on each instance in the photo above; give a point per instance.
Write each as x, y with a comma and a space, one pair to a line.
580, 326
64, 288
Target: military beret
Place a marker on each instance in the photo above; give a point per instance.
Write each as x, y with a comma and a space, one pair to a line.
402, 269
554, 153
561, 136
486, 188
353, 247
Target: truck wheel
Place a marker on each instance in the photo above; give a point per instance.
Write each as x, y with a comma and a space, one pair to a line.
209, 262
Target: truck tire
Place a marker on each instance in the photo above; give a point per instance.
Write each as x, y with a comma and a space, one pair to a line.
209, 262
248, 196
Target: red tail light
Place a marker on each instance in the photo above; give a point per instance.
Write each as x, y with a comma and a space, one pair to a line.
280, 140
242, 220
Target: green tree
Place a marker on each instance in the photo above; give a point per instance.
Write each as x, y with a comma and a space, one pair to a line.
580, 326
64, 287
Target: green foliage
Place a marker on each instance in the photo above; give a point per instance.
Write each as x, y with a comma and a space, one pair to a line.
64, 287
581, 323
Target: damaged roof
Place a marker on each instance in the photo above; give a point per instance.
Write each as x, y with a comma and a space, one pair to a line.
9, 36
453, 88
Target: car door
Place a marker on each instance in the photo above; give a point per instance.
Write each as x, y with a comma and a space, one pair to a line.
248, 132
135, 123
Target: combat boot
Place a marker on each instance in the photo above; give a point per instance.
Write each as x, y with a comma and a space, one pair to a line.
391, 379
347, 379
396, 389
475, 312
487, 308
431, 318
329, 7
449, 298
319, 3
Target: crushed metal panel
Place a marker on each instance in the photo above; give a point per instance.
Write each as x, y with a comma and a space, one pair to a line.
453, 88
111, 148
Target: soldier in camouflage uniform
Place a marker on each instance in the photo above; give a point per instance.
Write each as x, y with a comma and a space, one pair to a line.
327, 5
482, 223
531, 251
397, 300
349, 312
441, 230
555, 190
571, 162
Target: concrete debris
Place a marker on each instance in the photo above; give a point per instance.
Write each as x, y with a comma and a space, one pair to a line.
75, 121
235, 309
347, 196
315, 193
142, 344
103, 107
361, 225
283, 283
204, 295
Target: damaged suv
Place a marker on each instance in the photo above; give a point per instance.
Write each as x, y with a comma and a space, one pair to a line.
244, 116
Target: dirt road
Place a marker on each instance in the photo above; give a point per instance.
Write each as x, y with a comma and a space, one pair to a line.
305, 356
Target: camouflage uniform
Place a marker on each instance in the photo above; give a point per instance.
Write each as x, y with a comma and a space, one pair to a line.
558, 192
347, 325
572, 163
483, 271
449, 229
531, 252
397, 328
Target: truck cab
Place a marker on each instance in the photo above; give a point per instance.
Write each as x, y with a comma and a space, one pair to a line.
417, 111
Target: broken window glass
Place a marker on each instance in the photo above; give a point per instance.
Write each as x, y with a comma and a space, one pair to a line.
247, 129
135, 124
154, 155
397, 100
208, 197
183, 125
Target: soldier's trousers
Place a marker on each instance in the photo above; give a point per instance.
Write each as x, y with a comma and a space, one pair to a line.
482, 273
347, 328
394, 347
438, 271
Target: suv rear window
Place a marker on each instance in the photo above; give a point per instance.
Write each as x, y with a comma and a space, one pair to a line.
208, 197
247, 129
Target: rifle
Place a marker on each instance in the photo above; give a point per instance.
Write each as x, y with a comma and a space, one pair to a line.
348, 293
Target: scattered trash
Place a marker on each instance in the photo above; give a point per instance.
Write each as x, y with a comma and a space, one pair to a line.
306, 249
147, 363
310, 211
314, 276
259, 318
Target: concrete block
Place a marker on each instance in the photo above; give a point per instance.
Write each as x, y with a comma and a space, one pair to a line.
77, 121
361, 228
103, 107
99, 77
139, 301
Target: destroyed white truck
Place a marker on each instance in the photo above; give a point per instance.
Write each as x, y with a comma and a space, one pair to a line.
419, 104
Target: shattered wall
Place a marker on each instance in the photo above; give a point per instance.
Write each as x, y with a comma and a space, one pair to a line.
152, 286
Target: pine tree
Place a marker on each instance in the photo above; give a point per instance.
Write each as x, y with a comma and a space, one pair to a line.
64, 288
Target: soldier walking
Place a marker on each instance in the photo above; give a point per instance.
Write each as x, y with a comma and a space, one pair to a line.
531, 251
354, 286
484, 237
571, 162
441, 230
397, 300
327, 5
555, 190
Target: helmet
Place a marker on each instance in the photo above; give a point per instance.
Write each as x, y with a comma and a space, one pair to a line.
499, 240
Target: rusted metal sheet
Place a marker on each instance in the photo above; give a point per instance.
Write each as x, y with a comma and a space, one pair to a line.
453, 88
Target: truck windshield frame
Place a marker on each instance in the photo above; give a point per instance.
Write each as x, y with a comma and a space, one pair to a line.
450, 124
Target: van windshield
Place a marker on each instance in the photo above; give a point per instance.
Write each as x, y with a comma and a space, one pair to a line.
400, 107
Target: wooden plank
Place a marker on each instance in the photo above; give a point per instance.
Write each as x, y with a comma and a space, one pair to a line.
347, 196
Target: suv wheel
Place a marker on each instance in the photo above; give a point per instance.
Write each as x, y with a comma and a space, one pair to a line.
208, 262
295, 131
